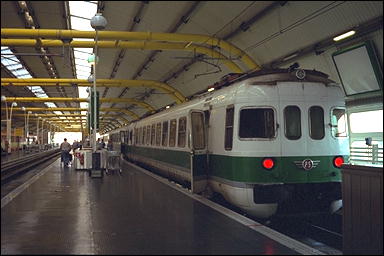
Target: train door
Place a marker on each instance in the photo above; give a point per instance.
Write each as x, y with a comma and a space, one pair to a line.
198, 151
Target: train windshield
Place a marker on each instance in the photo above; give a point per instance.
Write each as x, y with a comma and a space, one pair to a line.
257, 123
339, 122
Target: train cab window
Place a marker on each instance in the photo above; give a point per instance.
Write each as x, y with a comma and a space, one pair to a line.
153, 130
292, 122
181, 135
198, 130
316, 122
228, 137
339, 122
165, 134
148, 138
158, 134
257, 123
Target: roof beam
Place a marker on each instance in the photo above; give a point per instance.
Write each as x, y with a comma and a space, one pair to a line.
100, 83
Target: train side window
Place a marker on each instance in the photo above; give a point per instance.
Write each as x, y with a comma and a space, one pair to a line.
339, 122
172, 133
158, 134
136, 136
198, 130
153, 130
143, 135
122, 136
140, 134
316, 122
165, 134
148, 139
228, 137
292, 122
257, 123
181, 132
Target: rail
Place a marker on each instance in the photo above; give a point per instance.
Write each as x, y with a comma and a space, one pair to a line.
370, 155
13, 168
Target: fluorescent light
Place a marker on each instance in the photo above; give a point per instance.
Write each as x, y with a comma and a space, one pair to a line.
290, 57
345, 35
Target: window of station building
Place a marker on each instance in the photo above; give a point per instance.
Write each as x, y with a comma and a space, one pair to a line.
367, 121
172, 133
257, 123
148, 137
165, 134
158, 134
181, 135
228, 139
153, 130
339, 122
198, 130
292, 122
316, 122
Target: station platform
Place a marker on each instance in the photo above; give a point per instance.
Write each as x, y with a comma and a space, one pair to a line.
67, 212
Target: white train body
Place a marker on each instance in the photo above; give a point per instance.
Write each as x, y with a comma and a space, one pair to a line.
261, 142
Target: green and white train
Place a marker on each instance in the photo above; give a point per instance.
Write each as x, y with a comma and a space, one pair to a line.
270, 142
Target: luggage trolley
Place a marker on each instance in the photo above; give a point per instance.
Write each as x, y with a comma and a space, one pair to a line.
113, 161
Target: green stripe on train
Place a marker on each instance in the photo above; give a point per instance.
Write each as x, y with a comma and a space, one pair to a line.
249, 169
179, 158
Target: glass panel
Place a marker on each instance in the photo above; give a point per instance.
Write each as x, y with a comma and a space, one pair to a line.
144, 134
292, 121
257, 123
148, 134
339, 122
181, 134
229, 128
365, 122
158, 134
198, 130
165, 133
172, 134
153, 134
316, 122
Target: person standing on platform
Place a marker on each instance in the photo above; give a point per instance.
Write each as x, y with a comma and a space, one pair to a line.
65, 148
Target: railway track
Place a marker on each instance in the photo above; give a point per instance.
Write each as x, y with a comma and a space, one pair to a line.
14, 168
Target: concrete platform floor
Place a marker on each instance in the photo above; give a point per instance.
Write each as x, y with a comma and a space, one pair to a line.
67, 212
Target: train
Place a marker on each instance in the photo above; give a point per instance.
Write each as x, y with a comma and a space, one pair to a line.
270, 142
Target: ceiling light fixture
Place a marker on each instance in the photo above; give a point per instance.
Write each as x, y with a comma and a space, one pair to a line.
345, 35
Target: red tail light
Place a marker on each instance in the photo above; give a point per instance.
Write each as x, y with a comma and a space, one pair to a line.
338, 161
268, 163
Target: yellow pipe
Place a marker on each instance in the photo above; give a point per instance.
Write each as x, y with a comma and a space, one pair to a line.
100, 83
123, 35
102, 100
48, 109
49, 115
125, 111
131, 45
